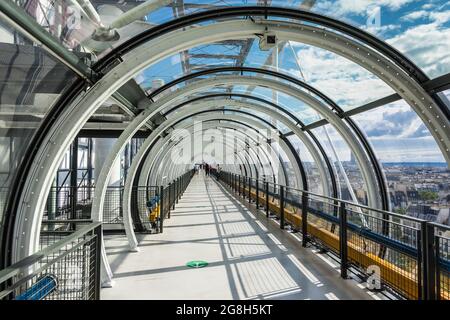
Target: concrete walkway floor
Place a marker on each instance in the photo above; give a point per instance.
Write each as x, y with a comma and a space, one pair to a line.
248, 256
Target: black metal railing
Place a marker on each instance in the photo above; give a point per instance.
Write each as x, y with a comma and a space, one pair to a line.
68, 269
112, 207
442, 259
411, 255
53, 231
170, 195
61, 207
145, 202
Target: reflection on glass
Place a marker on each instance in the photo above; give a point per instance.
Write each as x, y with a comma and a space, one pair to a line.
31, 82
419, 29
312, 172
339, 151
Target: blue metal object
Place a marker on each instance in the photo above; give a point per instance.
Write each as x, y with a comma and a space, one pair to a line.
41, 289
152, 202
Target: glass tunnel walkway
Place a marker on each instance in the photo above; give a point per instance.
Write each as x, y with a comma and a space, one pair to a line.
326, 125
248, 256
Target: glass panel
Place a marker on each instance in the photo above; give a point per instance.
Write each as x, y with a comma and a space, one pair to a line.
445, 96
407, 25
299, 109
88, 27
277, 124
287, 165
65, 20
340, 79
171, 68
339, 151
312, 172
31, 83
415, 168
418, 29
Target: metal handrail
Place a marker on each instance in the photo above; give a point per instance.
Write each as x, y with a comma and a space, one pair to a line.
430, 266
14, 269
67, 221
439, 225
345, 201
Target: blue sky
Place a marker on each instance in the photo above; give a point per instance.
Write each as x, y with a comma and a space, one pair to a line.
419, 29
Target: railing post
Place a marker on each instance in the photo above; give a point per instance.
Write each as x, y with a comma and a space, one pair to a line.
169, 203
239, 185
304, 219
281, 192
343, 239
98, 259
438, 271
244, 181
428, 261
178, 189
266, 185
161, 208
175, 192
249, 190
257, 193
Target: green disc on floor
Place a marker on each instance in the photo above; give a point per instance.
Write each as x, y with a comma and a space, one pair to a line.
197, 264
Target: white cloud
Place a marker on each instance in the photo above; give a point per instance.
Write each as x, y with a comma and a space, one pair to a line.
426, 45
344, 81
359, 7
440, 17
428, 6
380, 31
393, 130
401, 134
436, 17
415, 15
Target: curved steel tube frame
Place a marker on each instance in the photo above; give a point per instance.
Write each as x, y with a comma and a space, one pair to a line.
180, 116
247, 148
415, 95
166, 166
160, 159
286, 120
244, 121
381, 179
347, 135
147, 174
